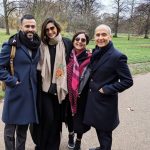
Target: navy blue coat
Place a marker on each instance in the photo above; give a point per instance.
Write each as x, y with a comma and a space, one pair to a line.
20, 100
112, 74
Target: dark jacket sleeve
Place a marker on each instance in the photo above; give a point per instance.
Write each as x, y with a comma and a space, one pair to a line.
4, 66
84, 79
124, 78
68, 46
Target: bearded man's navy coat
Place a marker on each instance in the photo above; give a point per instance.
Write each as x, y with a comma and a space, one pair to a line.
20, 100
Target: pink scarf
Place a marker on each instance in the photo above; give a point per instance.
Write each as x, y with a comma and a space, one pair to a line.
74, 71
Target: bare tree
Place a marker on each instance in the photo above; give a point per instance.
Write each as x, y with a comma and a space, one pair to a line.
41, 9
147, 21
9, 7
131, 6
142, 15
6, 16
85, 15
2, 23
120, 6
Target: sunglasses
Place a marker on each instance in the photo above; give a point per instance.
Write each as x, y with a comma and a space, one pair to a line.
80, 39
51, 28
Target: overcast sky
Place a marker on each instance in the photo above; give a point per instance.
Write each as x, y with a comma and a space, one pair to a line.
108, 6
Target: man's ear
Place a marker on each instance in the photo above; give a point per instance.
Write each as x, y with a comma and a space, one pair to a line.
110, 37
20, 27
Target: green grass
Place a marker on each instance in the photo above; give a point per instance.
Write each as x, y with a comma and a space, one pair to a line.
1, 94
137, 49
4, 37
140, 68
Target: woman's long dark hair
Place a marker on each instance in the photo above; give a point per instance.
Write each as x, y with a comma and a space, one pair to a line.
43, 29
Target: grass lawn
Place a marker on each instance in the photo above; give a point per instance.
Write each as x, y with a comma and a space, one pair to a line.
137, 50
3, 36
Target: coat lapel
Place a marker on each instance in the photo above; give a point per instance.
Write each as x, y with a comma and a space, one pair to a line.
37, 54
26, 51
103, 59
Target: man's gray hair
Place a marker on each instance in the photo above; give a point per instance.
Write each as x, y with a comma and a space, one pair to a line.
104, 26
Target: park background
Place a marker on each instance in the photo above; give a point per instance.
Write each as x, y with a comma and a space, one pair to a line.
128, 19
130, 24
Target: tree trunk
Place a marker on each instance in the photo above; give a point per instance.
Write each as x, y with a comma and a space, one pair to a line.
7, 25
116, 25
6, 16
147, 25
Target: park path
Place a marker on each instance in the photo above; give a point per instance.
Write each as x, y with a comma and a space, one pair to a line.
133, 133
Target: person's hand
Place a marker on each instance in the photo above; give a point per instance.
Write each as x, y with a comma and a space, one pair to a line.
17, 82
101, 91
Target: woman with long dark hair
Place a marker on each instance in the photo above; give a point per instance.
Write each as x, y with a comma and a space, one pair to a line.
55, 52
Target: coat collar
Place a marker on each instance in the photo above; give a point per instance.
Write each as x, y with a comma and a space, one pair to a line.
104, 58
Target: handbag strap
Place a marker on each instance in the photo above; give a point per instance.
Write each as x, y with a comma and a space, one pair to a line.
12, 56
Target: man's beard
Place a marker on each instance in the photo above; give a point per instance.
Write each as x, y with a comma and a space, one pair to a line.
29, 35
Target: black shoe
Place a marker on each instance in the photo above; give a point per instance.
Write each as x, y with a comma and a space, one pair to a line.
71, 141
97, 148
77, 145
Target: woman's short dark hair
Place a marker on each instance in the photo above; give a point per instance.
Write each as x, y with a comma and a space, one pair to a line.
81, 32
43, 29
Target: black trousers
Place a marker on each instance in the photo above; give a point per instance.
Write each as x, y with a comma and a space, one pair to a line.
105, 139
12, 143
50, 123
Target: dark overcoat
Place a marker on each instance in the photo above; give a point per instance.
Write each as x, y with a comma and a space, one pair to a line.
20, 100
111, 73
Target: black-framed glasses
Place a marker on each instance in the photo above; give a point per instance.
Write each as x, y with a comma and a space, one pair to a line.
83, 40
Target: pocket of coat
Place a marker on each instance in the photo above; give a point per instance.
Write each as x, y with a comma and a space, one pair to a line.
101, 94
15, 86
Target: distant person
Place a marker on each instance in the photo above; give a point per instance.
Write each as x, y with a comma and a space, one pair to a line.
110, 75
77, 87
21, 88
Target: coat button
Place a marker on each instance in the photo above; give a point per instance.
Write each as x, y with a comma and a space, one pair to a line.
91, 80
55, 93
90, 90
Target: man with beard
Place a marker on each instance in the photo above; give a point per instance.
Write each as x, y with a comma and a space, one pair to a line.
20, 95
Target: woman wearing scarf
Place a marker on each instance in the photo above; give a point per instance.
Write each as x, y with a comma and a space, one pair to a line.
77, 77
55, 51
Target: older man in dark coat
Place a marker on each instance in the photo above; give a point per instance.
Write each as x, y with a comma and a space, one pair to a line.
21, 88
110, 75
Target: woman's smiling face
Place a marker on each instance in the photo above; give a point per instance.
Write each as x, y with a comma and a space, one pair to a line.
80, 42
51, 30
